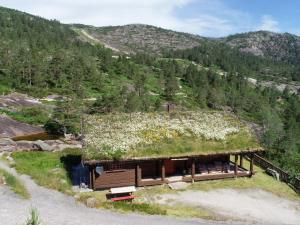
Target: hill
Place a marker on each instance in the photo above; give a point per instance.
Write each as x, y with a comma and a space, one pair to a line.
277, 46
138, 37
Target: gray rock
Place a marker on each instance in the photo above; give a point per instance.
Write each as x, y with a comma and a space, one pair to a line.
25, 145
7, 145
92, 202
41, 145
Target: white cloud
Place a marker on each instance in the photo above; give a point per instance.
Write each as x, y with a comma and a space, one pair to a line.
211, 17
268, 23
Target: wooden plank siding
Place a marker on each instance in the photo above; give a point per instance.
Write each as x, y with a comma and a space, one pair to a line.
116, 178
157, 172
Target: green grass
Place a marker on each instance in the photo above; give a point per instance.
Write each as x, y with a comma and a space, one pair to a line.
4, 89
259, 181
31, 115
34, 218
191, 146
145, 208
48, 169
15, 184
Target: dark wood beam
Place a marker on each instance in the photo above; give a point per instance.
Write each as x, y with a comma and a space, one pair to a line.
193, 169
91, 177
163, 170
236, 165
251, 163
241, 160
138, 175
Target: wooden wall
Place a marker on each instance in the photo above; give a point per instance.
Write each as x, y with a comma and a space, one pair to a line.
116, 178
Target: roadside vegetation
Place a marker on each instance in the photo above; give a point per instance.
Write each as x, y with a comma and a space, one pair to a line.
34, 218
48, 169
15, 184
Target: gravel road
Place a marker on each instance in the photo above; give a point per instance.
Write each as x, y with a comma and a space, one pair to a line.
255, 204
56, 208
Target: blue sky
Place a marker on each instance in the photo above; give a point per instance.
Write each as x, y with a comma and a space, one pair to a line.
213, 18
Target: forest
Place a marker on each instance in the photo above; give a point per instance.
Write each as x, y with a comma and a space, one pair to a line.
41, 57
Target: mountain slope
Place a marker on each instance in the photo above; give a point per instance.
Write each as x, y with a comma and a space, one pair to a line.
138, 37
280, 47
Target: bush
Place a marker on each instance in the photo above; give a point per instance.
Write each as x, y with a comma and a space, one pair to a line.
54, 127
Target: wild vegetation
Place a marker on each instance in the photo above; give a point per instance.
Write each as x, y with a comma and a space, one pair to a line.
163, 134
42, 57
48, 169
15, 184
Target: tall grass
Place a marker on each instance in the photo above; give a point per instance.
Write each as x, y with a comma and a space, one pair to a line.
15, 184
34, 218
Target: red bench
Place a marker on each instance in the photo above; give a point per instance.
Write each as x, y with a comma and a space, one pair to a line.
123, 198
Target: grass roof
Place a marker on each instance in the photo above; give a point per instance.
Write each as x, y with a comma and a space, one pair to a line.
156, 135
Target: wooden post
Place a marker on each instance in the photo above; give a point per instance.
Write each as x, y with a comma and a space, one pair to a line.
91, 178
193, 169
163, 170
235, 165
138, 175
251, 164
241, 160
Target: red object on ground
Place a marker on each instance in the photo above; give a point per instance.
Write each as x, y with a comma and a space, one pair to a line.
129, 197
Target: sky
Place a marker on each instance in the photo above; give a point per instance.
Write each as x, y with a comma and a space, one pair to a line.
211, 18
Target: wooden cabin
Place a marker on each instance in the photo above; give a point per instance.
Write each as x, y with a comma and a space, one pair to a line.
141, 172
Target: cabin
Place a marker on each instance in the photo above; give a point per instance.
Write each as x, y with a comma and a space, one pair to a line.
140, 172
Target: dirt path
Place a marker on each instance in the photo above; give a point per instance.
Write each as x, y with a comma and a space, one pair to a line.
259, 205
56, 208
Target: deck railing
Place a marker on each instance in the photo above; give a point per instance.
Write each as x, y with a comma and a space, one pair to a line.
283, 175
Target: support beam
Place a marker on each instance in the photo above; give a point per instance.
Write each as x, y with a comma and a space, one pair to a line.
138, 175
193, 169
241, 160
251, 164
163, 170
91, 177
236, 165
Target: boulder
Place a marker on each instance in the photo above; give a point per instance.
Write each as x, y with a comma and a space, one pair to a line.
7, 145
92, 202
41, 145
25, 145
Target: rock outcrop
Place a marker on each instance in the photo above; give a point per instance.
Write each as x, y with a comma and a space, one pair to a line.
11, 128
8, 145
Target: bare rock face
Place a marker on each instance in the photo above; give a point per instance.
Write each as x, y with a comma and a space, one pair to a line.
92, 202
11, 128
